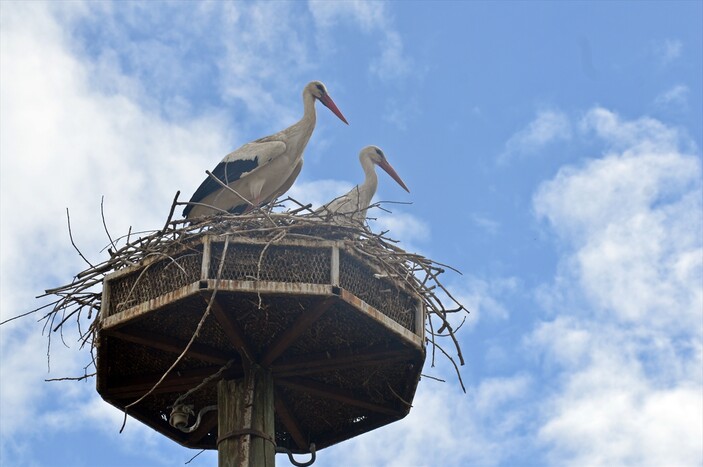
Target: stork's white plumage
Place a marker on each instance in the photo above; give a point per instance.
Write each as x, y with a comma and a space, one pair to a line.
260, 171
351, 207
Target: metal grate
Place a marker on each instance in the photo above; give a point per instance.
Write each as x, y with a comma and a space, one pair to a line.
155, 279
125, 366
280, 263
379, 293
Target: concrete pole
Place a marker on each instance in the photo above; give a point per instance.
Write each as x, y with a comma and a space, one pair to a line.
245, 420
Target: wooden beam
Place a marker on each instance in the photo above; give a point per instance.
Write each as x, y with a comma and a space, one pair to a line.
170, 344
231, 328
304, 321
289, 421
319, 363
182, 380
334, 393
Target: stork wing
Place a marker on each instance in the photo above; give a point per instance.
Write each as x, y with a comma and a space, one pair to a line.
235, 165
344, 204
289, 182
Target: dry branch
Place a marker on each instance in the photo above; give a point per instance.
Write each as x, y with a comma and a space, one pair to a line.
415, 272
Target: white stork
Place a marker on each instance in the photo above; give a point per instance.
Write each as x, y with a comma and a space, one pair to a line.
260, 171
351, 207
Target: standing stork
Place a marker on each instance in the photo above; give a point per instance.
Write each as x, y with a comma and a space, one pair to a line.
351, 207
260, 171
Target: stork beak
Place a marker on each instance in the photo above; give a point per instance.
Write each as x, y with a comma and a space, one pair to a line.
329, 103
390, 171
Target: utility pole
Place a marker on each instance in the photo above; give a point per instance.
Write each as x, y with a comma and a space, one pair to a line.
246, 432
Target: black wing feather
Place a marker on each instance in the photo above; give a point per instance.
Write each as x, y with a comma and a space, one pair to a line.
226, 172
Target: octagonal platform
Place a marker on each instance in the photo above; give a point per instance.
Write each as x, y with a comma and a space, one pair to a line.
344, 342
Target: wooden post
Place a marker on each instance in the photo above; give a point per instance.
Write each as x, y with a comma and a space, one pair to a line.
334, 264
246, 433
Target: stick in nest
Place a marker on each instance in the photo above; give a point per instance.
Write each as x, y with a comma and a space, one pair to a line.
419, 274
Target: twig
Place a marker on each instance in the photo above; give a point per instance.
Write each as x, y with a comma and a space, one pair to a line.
78, 378
422, 375
191, 459
408, 271
70, 235
456, 368
30, 312
207, 380
102, 214
170, 214
398, 396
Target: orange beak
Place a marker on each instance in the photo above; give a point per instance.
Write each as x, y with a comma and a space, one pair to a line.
390, 171
329, 103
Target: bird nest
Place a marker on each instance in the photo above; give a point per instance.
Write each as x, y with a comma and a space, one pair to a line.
176, 245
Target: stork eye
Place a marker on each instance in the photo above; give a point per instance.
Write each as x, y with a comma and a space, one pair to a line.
320, 88
379, 152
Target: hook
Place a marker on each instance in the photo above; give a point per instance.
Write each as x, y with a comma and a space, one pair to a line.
180, 414
293, 461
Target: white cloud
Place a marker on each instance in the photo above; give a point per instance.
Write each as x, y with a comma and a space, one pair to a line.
547, 127
409, 229
266, 56
632, 217
318, 192
609, 411
369, 15
626, 343
400, 113
66, 141
88, 129
392, 64
373, 17
264, 62
492, 393
486, 223
668, 51
633, 137
482, 298
446, 427
677, 96
89, 410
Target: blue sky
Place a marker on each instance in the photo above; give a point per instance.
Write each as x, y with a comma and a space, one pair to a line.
552, 150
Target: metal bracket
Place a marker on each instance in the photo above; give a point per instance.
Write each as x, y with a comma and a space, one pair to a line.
180, 414
293, 461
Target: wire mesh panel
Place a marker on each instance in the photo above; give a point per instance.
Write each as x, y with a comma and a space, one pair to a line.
381, 294
263, 262
279, 263
155, 279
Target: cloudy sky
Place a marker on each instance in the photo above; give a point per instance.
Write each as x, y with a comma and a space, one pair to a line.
552, 150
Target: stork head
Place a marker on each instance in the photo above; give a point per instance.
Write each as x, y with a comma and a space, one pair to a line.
319, 92
375, 155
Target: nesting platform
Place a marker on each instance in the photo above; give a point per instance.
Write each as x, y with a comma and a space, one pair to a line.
344, 342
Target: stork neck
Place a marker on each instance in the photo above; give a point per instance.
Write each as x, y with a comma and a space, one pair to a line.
309, 114
299, 133
302, 130
370, 180
308, 108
